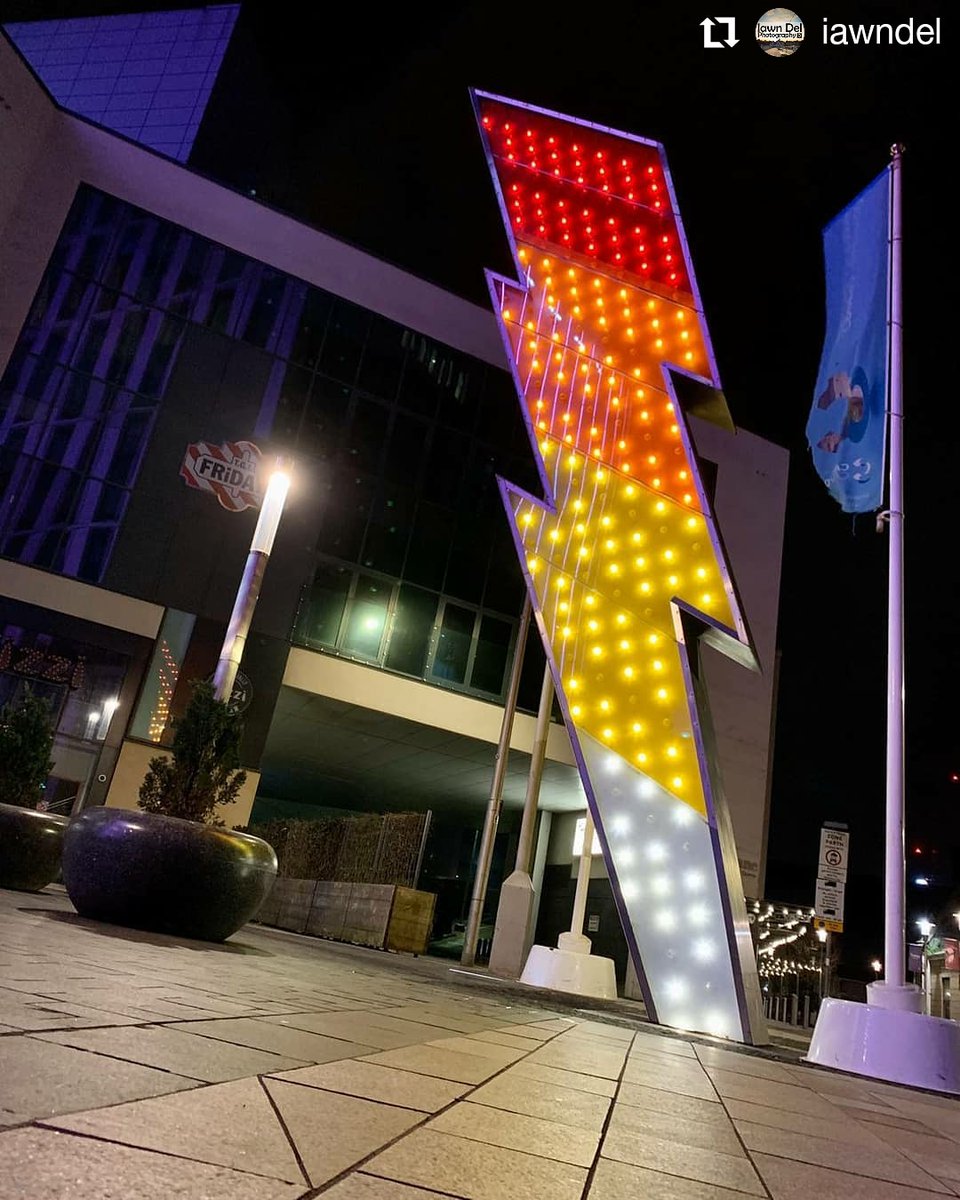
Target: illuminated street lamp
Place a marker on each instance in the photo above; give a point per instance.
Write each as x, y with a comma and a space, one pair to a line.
271, 510
823, 937
877, 966
926, 927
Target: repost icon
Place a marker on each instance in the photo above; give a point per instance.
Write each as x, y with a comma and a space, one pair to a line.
719, 33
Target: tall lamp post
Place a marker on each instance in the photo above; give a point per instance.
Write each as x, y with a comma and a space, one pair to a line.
271, 510
823, 937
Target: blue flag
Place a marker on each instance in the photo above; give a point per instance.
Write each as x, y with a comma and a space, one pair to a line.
847, 426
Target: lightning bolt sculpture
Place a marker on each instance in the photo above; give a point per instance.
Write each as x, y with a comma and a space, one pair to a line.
623, 560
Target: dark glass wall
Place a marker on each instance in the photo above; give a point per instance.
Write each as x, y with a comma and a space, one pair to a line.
144, 337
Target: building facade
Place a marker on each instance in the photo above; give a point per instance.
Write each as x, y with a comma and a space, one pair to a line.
146, 309
147, 76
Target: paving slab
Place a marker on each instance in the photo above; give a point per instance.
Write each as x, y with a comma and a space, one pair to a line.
226, 1124
476, 1171
44, 1164
206, 1059
877, 1162
691, 1162
371, 1187
371, 1081
623, 1181
790, 1180
435, 1060
534, 1098
357, 1028
513, 1131
40, 1079
567, 1079
714, 1135
333, 1132
277, 1039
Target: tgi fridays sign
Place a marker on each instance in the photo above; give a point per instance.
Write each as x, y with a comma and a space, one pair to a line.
230, 472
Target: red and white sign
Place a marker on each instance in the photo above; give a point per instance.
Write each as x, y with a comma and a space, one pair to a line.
230, 471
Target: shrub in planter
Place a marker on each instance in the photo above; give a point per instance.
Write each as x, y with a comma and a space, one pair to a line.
30, 841
172, 867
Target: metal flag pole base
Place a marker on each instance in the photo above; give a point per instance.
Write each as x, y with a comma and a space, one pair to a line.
899, 1045
571, 967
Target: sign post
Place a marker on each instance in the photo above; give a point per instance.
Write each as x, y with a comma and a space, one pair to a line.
831, 877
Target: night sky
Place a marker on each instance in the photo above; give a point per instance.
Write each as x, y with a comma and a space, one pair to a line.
361, 125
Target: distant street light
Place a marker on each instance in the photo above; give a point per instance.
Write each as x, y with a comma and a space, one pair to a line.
926, 927
877, 967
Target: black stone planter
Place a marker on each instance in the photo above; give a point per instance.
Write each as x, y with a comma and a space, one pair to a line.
163, 874
30, 846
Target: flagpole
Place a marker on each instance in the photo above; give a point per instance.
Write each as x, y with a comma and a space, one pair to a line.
891, 1037
894, 925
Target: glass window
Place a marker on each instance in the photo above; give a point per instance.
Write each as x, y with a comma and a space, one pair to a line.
159, 257
265, 308
125, 459
191, 272
312, 328
228, 276
531, 675
444, 473
405, 450
480, 491
291, 403
346, 334
453, 644
499, 415
153, 707
368, 617
419, 387
367, 436
95, 552
92, 344
504, 589
490, 662
411, 630
350, 498
72, 298
427, 554
322, 609
459, 398
467, 565
389, 531
114, 274
111, 502
164, 344
383, 358
325, 418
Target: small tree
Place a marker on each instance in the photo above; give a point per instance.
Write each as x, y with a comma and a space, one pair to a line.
203, 774
25, 744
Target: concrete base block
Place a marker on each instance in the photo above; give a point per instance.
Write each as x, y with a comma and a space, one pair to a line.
513, 932
888, 1043
570, 971
903, 997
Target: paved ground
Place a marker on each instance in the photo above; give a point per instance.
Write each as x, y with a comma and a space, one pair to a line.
143, 1068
